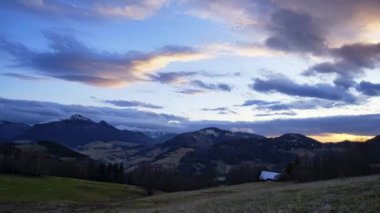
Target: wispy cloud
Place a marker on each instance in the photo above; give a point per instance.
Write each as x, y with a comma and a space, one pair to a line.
172, 77
257, 103
210, 86
286, 86
24, 77
131, 104
186, 79
69, 59
312, 103
131, 9
289, 113
192, 91
220, 110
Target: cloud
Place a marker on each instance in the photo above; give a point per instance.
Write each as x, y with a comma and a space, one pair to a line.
334, 15
368, 88
187, 79
241, 49
220, 110
237, 13
295, 32
24, 77
211, 87
131, 104
70, 60
172, 77
293, 105
32, 112
130, 9
192, 91
289, 113
331, 15
286, 86
349, 61
257, 103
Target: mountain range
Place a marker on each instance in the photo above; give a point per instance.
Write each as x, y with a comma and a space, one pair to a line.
191, 152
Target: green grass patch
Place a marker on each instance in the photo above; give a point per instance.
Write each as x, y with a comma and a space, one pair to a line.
56, 189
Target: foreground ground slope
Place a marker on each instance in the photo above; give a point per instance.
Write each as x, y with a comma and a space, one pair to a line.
56, 194
360, 194
25, 194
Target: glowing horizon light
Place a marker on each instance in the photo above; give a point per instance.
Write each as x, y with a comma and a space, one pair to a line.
335, 138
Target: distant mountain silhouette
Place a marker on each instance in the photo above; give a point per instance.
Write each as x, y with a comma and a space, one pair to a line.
293, 141
206, 137
79, 130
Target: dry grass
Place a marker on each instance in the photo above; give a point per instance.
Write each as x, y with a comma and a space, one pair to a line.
360, 194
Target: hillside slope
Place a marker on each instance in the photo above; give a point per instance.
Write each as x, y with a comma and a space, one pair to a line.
50, 194
29, 189
359, 194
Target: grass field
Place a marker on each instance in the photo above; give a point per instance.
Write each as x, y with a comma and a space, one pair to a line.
56, 190
360, 194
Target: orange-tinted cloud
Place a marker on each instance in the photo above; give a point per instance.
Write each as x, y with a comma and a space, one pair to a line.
70, 60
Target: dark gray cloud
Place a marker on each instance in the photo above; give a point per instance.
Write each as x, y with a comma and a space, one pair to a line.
293, 105
71, 60
289, 113
192, 91
296, 32
288, 87
131, 104
258, 103
171, 77
210, 86
188, 78
361, 55
220, 110
349, 62
368, 88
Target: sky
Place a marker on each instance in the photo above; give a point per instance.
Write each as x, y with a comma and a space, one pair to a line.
262, 66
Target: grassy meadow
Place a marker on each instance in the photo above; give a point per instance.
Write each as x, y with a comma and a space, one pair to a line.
53, 194
25, 189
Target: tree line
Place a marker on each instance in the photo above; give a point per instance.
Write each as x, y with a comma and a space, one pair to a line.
36, 161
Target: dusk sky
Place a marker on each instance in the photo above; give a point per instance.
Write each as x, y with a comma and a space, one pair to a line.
262, 66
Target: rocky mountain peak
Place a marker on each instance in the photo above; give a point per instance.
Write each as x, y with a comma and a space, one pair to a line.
78, 117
